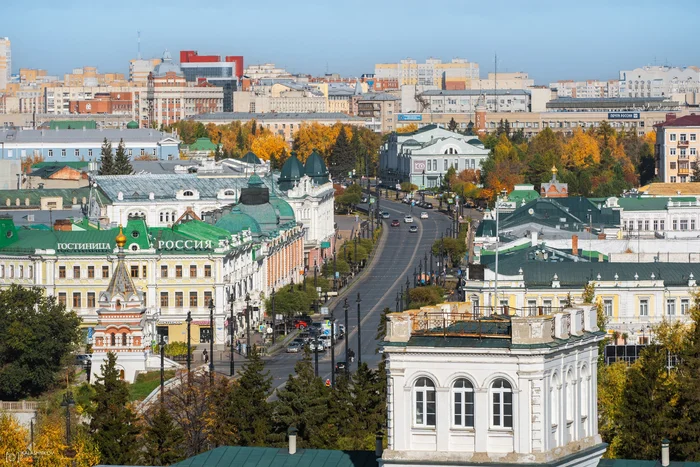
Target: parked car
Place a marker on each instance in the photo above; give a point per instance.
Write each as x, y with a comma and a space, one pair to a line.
82, 359
364, 199
413, 229
428, 205
326, 340
423, 215
395, 223
301, 324
340, 367
408, 219
294, 347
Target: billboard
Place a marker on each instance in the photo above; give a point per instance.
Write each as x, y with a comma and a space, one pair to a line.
419, 166
410, 118
623, 115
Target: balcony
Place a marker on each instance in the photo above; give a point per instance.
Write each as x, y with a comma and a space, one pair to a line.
682, 170
683, 143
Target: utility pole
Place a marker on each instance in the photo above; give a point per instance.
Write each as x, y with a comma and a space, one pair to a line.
211, 342
232, 362
189, 343
274, 317
359, 332
162, 369
333, 349
347, 336
247, 319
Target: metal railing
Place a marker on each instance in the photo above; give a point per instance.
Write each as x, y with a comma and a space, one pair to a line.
459, 325
21, 406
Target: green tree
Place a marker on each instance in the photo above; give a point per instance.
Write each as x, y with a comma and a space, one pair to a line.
240, 140
162, 438
250, 413
696, 173
452, 126
289, 302
425, 296
113, 423
449, 179
368, 404
341, 267
37, 336
687, 443
342, 159
303, 404
408, 186
122, 164
358, 153
106, 159
381, 329
454, 248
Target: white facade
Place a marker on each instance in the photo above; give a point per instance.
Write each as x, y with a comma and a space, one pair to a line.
658, 81
518, 398
314, 207
588, 89
423, 157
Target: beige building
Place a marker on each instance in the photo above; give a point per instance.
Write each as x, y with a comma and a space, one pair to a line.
591, 88
379, 108
5, 62
457, 74
281, 97
515, 80
57, 99
265, 70
677, 148
139, 70
89, 76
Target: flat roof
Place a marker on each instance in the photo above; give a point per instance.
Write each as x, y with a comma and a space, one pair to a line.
232, 116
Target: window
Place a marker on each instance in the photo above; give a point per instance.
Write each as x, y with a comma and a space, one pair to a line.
424, 392
673, 179
187, 193
164, 299
673, 166
693, 152
91, 299
178, 270
671, 307
164, 272
77, 153
547, 305
674, 223
608, 307
178, 299
692, 224
463, 398
644, 307
207, 270
105, 272
91, 272
76, 300
76, 272
684, 137
672, 151
672, 137
646, 225
193, 299
63, 153
692, 137
656, 225
131, 152
134, 271
685, 306
112, 339
684, 224
50, 152
20, 272
89, 152
144, 270
124, 339
61, 272
444, 164
207, 298
502, 403
62, 298
661, 225
193, 270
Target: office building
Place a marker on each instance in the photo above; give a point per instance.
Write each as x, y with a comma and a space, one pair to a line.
212, 69
265, 70
379, 109
5, 62
659, 81
139, 70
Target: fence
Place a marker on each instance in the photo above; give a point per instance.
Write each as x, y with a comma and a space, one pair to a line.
21, 406
446, 324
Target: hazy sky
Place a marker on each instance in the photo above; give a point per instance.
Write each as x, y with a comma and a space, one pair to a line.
548, 39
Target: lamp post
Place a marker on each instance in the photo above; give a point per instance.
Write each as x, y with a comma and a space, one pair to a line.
354, 259
232, 361
347, 336
247, 322
414, 277
397, 302
315, 286
334, 284
306, 270
211, 341
189, 343
274, 317
359, 332
316, 354
333, 349
420, 272
162, 369
407, 294
431, 266
68, 402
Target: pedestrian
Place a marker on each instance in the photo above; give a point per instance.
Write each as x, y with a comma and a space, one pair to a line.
205, 354
357, 218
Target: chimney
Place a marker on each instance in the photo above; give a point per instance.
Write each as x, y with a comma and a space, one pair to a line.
665, 457
292, 433
670, 116
379, 444
574, 245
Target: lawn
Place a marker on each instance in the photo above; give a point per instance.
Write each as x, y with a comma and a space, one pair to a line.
145, 383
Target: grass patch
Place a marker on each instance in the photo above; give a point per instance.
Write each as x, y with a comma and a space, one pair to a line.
145, 384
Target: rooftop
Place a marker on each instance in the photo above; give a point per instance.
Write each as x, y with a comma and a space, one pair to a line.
380, 96
13, 136
610, 102
235, 456
245, 116
477, 92
687, 120
670, 189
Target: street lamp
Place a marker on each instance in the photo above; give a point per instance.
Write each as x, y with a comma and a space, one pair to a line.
333, 349
274, 317
315, 286
347, 336
359, 332
397, 302
407, 294
211, 341
334, 273
68, 402
232, 362
189, 343
162, 369
247, 319
414, 277
400, 301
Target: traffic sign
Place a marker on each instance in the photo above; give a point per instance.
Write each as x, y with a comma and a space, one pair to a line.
337, 274
269, 330
326, 332
324, 310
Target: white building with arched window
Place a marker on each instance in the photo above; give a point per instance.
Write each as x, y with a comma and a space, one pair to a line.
466, 388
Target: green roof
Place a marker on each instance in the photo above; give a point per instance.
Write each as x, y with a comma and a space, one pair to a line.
72, 124
650, 204
236, 456
132, 125
202, 144
283, 208
519, 195
291, 172
316, 168
237, 221
35, 195
202, 231
250, 158
71, 164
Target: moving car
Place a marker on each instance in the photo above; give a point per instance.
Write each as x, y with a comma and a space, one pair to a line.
294, 347
408, 219
395, 223
340, 367
423, 215
413, 229
385, 215
301, 324
82, 359
428, 205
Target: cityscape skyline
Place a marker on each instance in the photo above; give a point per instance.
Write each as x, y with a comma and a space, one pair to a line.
338, 52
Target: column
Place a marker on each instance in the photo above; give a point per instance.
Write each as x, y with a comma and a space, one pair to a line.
442, 418
481, 418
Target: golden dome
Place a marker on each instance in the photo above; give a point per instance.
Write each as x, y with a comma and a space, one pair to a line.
554, 169
121, 238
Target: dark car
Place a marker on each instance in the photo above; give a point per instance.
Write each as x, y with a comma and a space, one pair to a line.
395, 223
340, 367
82, 359
428, 205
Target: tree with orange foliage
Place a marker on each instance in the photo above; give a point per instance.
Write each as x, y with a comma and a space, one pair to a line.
410, 128
268, 145
470, 176
581, 150
30, 161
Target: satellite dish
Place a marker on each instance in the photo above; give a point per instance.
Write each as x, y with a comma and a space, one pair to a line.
531, 211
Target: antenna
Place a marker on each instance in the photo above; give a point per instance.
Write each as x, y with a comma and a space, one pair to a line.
138, 34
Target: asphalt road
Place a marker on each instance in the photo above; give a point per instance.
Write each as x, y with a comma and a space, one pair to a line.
378, 288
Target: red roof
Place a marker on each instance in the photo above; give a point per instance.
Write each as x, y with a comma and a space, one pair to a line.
688, 120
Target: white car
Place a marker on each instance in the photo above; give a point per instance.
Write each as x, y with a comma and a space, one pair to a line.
423, 215
408, 219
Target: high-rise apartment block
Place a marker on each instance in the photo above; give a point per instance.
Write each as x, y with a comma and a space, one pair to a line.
588, 89
5, 62
457, 74
677, 146
89, 76
213, 70
659, 81
139, 70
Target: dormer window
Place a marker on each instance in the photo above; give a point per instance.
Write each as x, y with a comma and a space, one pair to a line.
228, 193
188, 193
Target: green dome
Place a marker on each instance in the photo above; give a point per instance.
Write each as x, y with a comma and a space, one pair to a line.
285, 211
237, 221
250, 158
316, 168
292, 171
255, 180
132, 125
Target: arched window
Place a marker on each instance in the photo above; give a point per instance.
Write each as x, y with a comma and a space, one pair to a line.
570, 396
502, 402
2, 271
12, 272
162, 216
555, 399
187, 193
463, 400
124, 339
20, 272
30, 272
229, 193
424, 393
584, 391
112, 340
